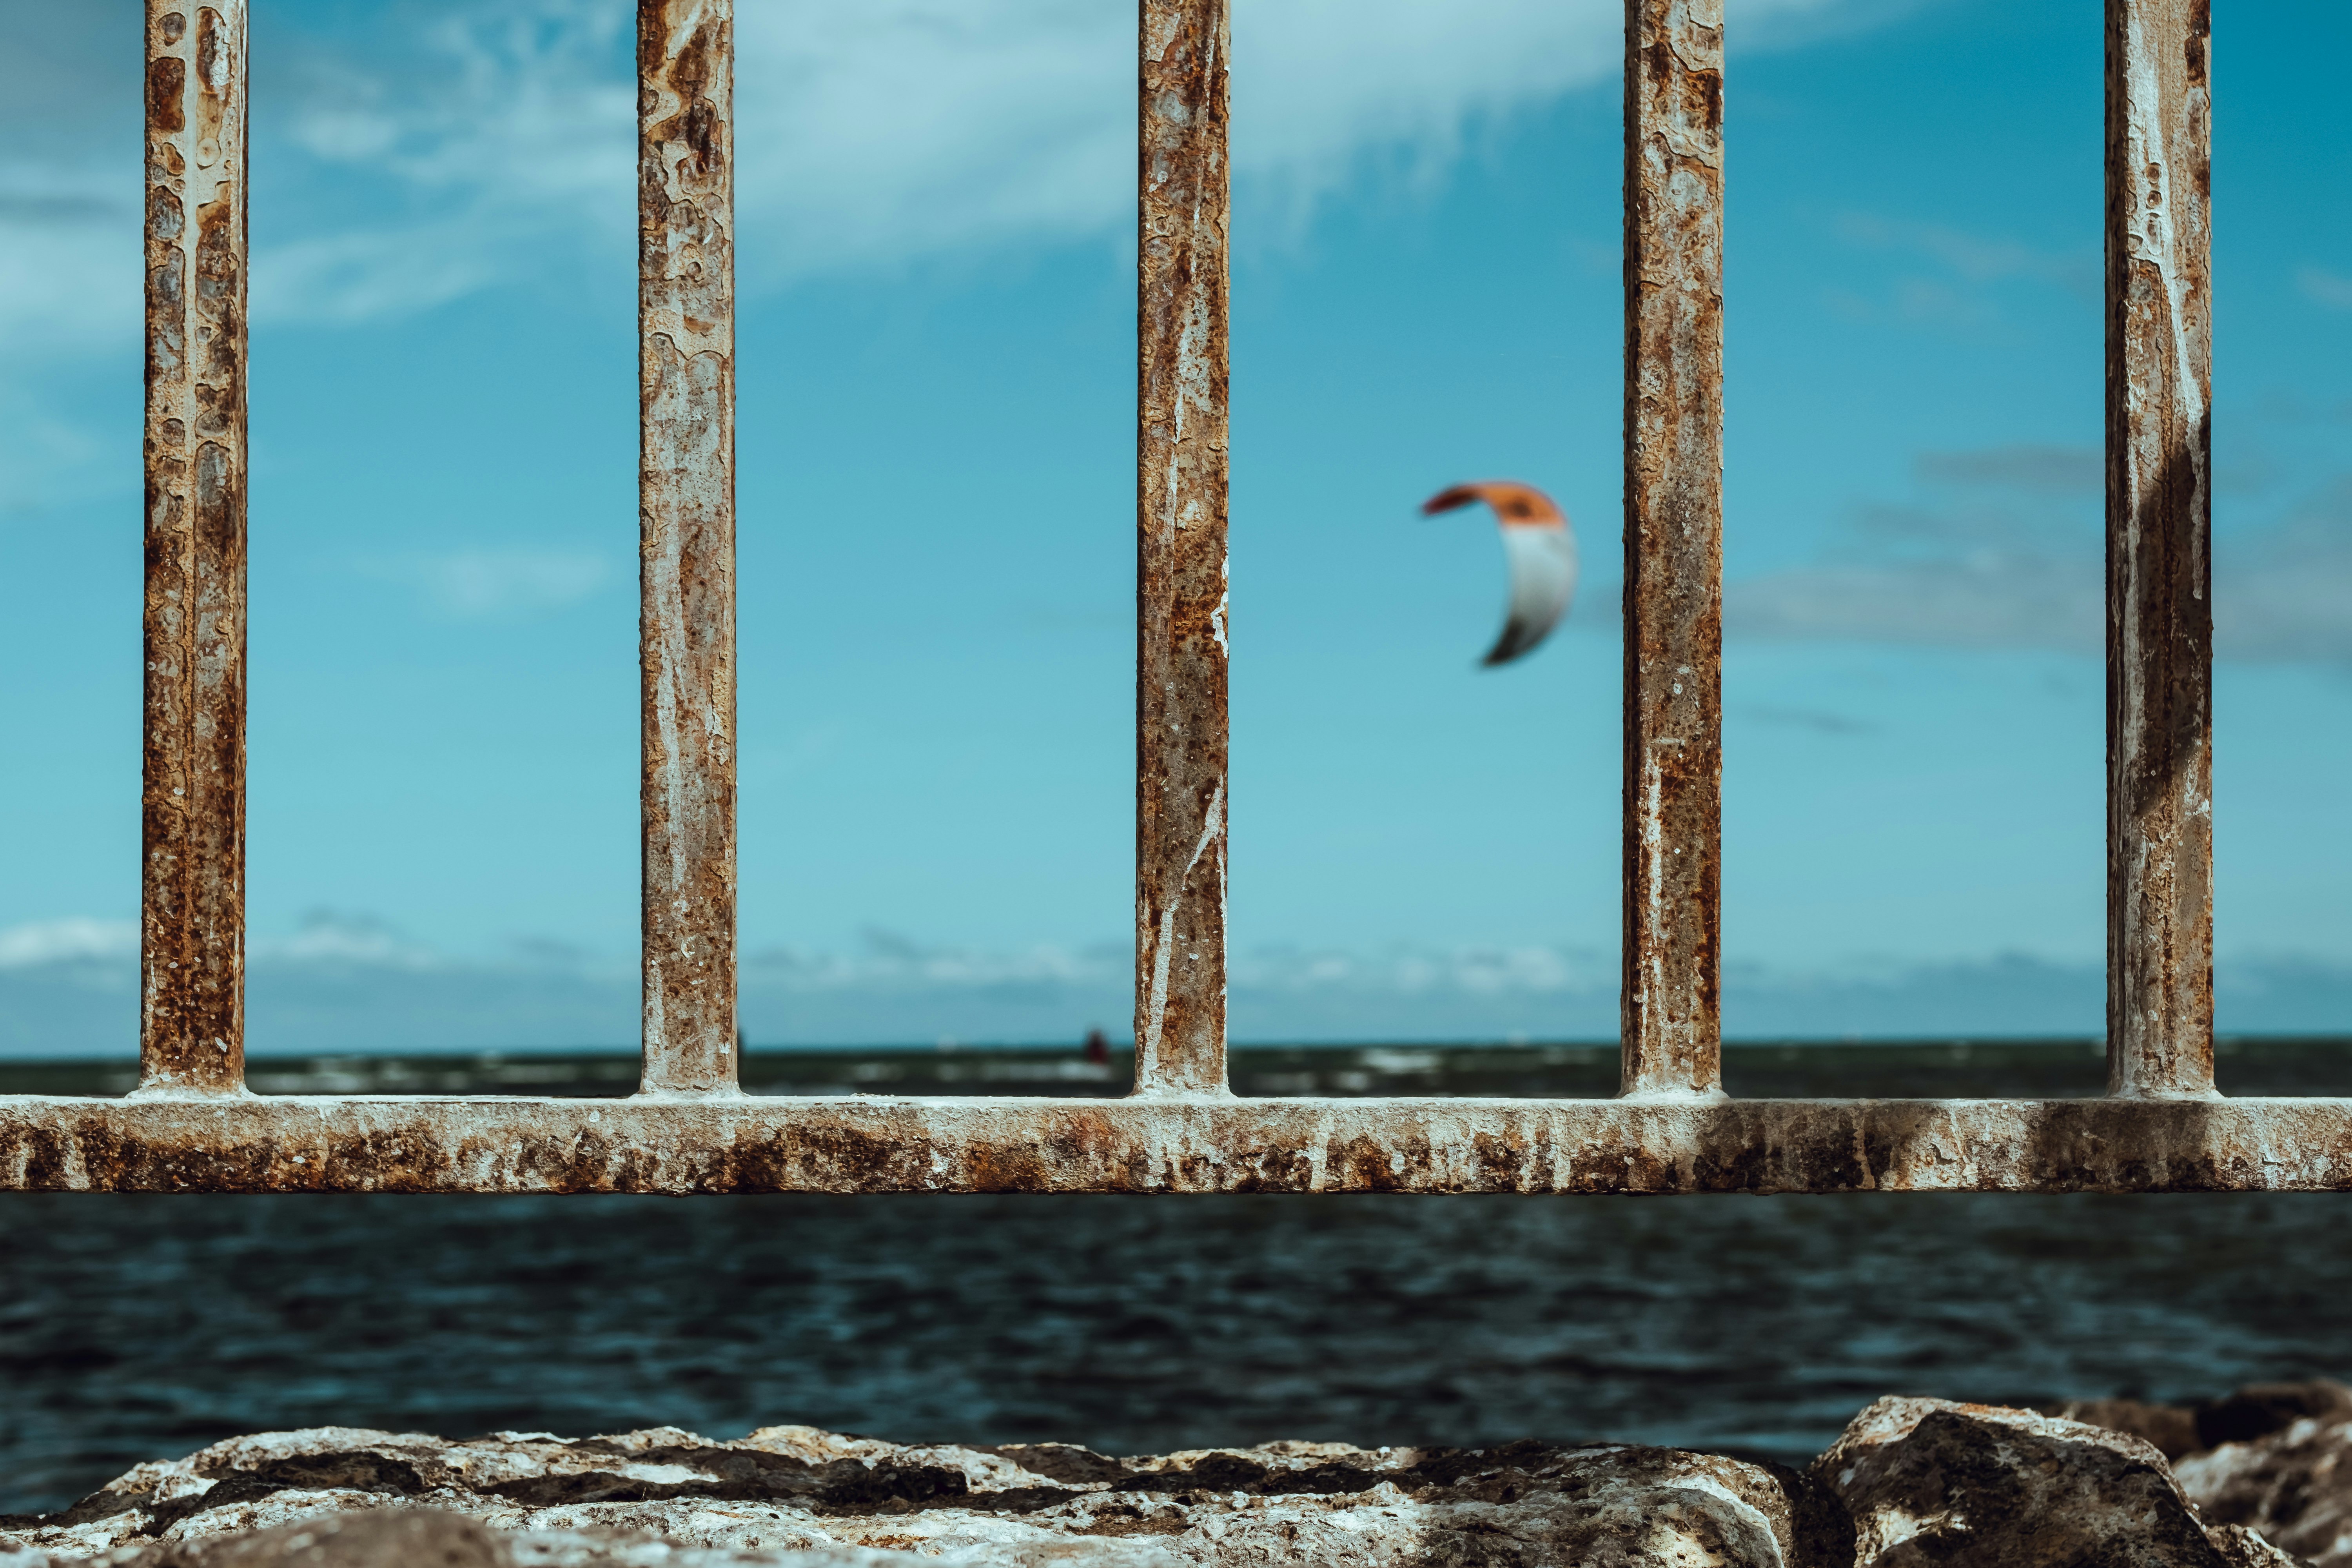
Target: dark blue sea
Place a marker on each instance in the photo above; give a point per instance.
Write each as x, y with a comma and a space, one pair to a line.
137, 1327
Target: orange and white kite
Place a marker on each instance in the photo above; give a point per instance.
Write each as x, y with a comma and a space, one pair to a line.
1542, 553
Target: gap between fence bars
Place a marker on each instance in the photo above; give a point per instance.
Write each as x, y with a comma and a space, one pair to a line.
191, 1124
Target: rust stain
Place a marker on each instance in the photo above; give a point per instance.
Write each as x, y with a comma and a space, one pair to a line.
192, 893
1671, 1026
2159, 532
686, 485
724, 1144
1182, 806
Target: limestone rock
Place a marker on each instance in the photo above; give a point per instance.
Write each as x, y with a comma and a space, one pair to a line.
2180, 1430
381, 1538
2243, 1548
1928, 1481
2169, 1429
2261, 1408
2293, 1485
794, 1495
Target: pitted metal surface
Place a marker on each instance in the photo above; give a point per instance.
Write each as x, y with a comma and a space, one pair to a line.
2159, 556
1202, 1144
686, 485
191, 892
1671, 1025
1181, 802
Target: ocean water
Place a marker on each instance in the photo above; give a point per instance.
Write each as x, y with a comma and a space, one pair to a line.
136, 1327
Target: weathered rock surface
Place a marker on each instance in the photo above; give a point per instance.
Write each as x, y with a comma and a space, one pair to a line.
2263, 1408
2253, 1411
2293, 1485
2272, 1457
2169, 1429
343, 1497
1911, 1482
1928, 1481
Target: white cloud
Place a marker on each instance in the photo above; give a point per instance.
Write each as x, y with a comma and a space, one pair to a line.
1995, 578
2287, 593
2327, 287
1964, 272
2031, 466
884, 133
494, 585
459, 144
359, 274
415, 155
888, 960
892, 961
327, 937
348, 984
1527, 969
1993, 601
69, 262
1979, 259
76, 939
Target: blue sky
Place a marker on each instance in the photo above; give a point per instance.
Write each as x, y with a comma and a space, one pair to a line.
936, 498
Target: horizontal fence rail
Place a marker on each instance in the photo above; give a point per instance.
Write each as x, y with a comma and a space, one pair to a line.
859, 1144
192, 1125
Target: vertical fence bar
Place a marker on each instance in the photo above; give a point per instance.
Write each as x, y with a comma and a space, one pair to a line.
686, 492
192, 787
2159, 532
1671, 1025
1180, 806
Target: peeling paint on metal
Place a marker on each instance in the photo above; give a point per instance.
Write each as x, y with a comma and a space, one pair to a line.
1200, 1144
1674, 548
1180, 562
2159, 526
686, 326
192, 893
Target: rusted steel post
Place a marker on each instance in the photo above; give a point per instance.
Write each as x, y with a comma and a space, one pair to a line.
1180, 806
2159, 531
1671, 1025
685, 499
192, 787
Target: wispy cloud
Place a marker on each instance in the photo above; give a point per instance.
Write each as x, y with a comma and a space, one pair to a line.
498, 584
1975, 257
435, 149
76, 939
2285, 594
886, 132
2329, 289
2058, 470
1819, 721
1959, 275
349, 984
2028, 573
889, 959
331, 937
359, 274
2023, 600
413, 156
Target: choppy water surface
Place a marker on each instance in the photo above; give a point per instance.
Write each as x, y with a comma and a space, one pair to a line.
135, 1327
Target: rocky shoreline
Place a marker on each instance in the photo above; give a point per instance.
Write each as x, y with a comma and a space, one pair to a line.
2257, 1480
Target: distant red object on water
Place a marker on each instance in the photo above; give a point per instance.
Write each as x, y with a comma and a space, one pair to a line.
1097, 1048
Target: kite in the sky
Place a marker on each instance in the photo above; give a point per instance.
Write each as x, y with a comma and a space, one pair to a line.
1542, 553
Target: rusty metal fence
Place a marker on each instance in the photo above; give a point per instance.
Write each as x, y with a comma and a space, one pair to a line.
191, 1124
